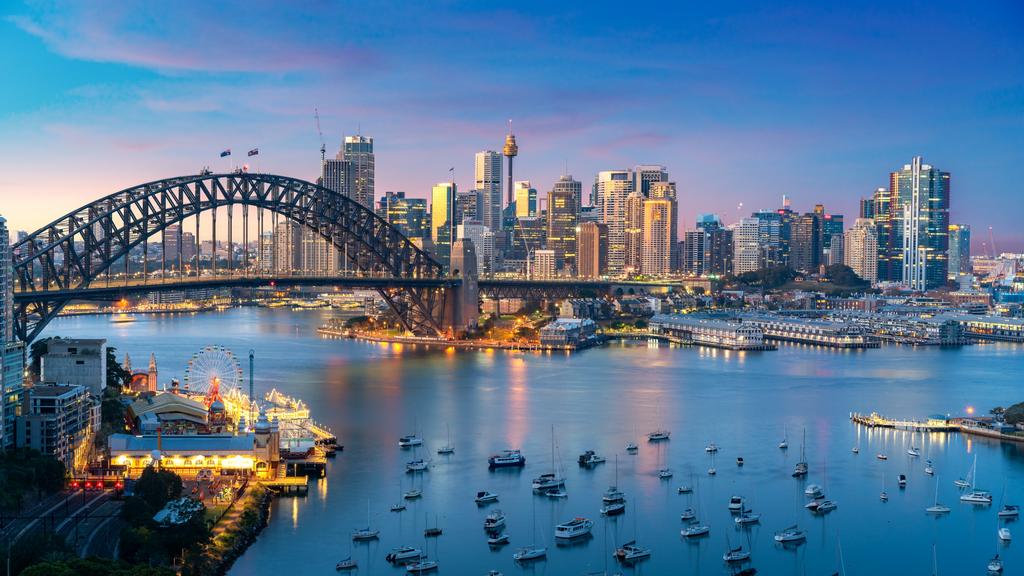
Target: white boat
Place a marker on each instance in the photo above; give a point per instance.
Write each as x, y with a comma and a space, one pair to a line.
421, 567
632, 552
937, 508
961, 483
913, 451
791, 534
528, 553
801, 467
688, 515
995, 565
826, 506
507, 459
902, 480
613, 494
658, 435
410, 441
855, 450
590, 459
665, 473
735, 555
498, 540
547, 481
412, 494
403, 554
712, 447
556, 493
447, 448
485, 497
968, 481
712, 471
881, 456
977, 497
1009, 511
739, 460
346, 565
884, 496
685, 489
813, 491
695, 530
398, 507
418, 465
613, 508
574, 528
365, 533
632, 448
929, 468
747, 517
736, 504
1004, 534
784, 445
494, 520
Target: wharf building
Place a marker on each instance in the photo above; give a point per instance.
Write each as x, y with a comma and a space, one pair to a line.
568, 333
833, 334
914, 330
990, 327
713, 332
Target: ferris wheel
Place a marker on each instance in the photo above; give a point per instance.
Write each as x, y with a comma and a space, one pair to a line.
213, 371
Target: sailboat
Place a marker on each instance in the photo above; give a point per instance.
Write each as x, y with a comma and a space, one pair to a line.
400, 505
801, 467
447, 448
614, 500
422, 564
785, 438
631, 446
552, 479
965, 482
937, 508
712, 471
366, 533
531, 552
883, 496
416, 464
631, 551
976, 496
347, 563
664, 472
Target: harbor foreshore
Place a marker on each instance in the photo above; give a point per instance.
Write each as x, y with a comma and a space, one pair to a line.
935, 424
459, 344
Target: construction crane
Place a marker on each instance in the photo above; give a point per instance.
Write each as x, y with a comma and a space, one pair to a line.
323, 147
992, 243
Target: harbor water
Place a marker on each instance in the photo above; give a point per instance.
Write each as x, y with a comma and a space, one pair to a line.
600, 399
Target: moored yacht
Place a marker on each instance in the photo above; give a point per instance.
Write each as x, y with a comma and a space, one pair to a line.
498, 539
665, 473
365, 533
1004, 534
507, 458
346, 565
418, 465
747, 517
695, 530
826, 506
494, 520
688, 515
736, 504
791, 534
412, 494
547, 481
995, 565
977, 497
485, 497
528, 553
632, 552
613, 494
1009, 511
590, 458
613, 508
658, 435
403, 554
712, 447
813, 491
632, 448
574, 528
421, 567
410, 441
913, 451
735, 555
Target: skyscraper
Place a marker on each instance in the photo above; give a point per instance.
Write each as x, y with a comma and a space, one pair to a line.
889, 260
747, 252
805, 243
525, 199
483, 243
442, 198
563, 217
469, 208
6, 286
358, 152
959, 250
287, 247
634, 232
665, 190
487, 179
657, 247
709, 248
613, 186
336, 174
592, 250
867, 206
860, 249
646, 174
919, 210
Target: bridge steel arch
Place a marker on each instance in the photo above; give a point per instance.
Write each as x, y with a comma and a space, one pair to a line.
75, 249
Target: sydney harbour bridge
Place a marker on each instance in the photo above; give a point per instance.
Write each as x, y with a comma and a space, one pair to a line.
75, 256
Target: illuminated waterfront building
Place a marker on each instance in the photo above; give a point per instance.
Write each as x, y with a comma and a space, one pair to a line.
914, 243
665, 190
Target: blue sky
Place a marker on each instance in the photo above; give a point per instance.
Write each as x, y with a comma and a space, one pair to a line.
742, 102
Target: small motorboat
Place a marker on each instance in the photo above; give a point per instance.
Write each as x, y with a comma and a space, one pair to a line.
737, 554
632, 552
913, 452
739, 461
736, 504
881, 456
498, 540
574, 528
410, 441
1009, 511
485, 497
688, 515
826, 506
658, 435
446, 450
884, 496
546, 481
346, 565
783, 445
494, 520
412, 494
747, 517
711, 448
695, 531
398, 507
665, 473
403, 554
421, 567
929, 468
432, 532
712, 471
791, 534
902, 480
632, 448
418, 465
529, 553
995, 565
590, 459
613, 508
800, 469
1004, 534
365, 534
556, 493
855, 450
813, 491
685, 489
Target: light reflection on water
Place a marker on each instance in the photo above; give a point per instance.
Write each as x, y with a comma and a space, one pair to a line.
600, 399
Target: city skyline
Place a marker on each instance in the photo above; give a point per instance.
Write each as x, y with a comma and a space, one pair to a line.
754, 115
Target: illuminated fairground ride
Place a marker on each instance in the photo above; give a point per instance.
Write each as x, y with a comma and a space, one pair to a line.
214, 373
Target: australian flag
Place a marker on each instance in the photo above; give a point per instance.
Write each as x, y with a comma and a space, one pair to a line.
254, 151
226, 153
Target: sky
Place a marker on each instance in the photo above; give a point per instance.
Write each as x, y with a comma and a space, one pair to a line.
743, 102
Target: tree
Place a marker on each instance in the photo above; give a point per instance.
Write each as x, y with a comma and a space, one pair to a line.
157, 487
843, 275
1014, 414
117, 376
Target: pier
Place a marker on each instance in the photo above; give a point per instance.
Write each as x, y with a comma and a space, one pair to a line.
932, 424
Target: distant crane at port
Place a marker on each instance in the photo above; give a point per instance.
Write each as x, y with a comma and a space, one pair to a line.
323, 147
992, 242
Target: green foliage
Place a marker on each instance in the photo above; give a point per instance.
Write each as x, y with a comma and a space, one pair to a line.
768, 278
94, 567
1014, 414
117, 376
46, 548
157, 487
640, 324
845, 276
25, 470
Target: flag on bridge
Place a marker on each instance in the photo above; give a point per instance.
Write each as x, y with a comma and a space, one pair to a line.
226, 153
254, 151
